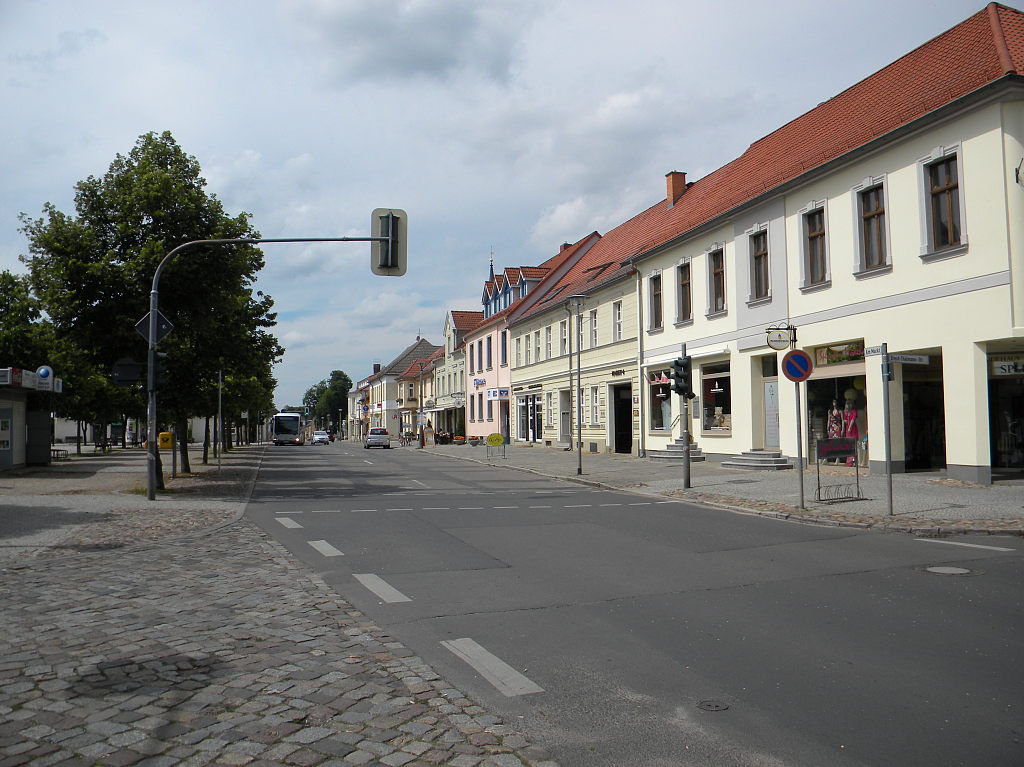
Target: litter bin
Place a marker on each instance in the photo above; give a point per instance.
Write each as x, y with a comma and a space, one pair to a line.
166, 441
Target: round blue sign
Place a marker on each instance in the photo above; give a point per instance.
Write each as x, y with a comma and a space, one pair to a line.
797, 365
44, 372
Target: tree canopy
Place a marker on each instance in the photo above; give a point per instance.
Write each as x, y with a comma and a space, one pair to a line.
328, 399
93, 271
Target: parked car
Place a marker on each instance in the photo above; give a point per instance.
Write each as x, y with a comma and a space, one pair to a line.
377, 437
320, 438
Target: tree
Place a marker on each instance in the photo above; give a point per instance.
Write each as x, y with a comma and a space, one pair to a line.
93, 273
26, 339
328, 399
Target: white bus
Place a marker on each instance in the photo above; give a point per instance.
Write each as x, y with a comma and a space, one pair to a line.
286, 429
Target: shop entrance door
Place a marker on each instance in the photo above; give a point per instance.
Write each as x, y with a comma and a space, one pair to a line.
924, 426
564, 415
622, 402
1006, 411
771, 415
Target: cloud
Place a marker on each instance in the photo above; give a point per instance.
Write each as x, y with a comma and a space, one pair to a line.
70, 44
434, 40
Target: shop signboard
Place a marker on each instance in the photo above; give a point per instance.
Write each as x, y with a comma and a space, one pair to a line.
1006, 364
837, 447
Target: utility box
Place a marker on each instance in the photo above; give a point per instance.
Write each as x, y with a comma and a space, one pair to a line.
166, 440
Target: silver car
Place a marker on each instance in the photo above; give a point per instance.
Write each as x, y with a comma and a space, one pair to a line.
320, 438
377, 437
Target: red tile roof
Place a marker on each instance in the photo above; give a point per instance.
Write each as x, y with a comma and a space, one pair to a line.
466, 320
978, 51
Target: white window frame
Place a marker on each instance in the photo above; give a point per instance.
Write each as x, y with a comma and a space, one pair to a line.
616, 320
928, 251
536, 346
751, 233
563, 338
519, 350
717, 247
594, 406
549, 407
680, 319
593, 328
806, 285
651, 325
547, 342
860, 270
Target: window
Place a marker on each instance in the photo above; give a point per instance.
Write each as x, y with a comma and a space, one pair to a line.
563, 337
504, 348
661, 401
759, 265
480, 406
490, 410
480, 355
944, 199
655, 291
536, 346
472, 416
684, 298
550, 405
527, 344
716, 398
547, 342
593, 406
490, 363
872, 228
617, 321
716, 275
816, 272
470, 357
519, 349
593, 328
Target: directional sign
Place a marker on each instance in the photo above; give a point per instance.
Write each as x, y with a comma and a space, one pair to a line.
872, 351
911, 359
797, 365
163, 327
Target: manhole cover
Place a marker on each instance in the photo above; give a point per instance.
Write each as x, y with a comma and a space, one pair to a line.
948, 570
712, 705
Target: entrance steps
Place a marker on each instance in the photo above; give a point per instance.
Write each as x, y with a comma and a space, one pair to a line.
674, 452
759, 460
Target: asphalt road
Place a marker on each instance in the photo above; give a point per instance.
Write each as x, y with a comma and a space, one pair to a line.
623, 629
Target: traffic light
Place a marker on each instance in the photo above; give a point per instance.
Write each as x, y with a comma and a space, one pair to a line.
159, 370
681, 377
388, 257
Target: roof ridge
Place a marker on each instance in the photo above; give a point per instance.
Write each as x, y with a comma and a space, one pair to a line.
999, 37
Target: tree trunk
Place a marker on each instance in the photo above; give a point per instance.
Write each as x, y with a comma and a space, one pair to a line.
182, 428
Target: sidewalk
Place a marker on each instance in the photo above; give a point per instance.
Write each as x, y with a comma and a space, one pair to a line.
177, 633
923, 503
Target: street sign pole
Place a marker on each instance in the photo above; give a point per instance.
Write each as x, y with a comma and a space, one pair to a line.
686, 431
797, 367
886, 377
799, 444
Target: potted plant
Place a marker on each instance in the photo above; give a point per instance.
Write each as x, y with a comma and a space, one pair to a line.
459, 439
474, 441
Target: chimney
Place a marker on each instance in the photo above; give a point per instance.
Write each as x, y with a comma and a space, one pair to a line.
564, 246
675, 182
376, 368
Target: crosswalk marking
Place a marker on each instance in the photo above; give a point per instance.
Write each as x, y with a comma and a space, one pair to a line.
288, 522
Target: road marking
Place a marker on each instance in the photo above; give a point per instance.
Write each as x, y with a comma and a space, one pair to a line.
287, 512
353, 511
577, 506
288, 522
611, 504
381, 588
471, 508
969, 545
504, 507
326, 549
540, 507
642, 503
397, 509
418, 482
326, 511
437, 508
506, 679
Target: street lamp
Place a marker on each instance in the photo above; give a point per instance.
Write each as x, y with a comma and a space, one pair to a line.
576, 306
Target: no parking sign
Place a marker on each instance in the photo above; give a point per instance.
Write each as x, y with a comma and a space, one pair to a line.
797, 365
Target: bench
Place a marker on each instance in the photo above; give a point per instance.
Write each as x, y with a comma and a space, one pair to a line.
58, 454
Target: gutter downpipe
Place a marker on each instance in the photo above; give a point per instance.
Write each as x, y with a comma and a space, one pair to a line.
640, 358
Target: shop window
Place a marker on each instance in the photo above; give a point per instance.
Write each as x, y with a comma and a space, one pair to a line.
716, 398
661, 402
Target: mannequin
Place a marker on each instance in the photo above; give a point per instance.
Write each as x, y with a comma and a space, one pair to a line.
835, 421
850, 425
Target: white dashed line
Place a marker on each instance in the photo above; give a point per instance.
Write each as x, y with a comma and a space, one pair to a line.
288, 522
642, 503
437, 508
577, 506
397, 509
471, 508
381, 588
504, 507
326, 549
326, 511
506, 679
540, 507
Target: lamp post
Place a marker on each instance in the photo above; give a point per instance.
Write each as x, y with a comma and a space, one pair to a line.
576, 306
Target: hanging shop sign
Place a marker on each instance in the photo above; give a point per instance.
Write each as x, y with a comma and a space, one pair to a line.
839, 353
497, 394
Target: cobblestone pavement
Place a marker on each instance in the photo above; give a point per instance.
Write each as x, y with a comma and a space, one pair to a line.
211, 647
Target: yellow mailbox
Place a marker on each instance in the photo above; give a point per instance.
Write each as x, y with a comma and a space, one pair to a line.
166, 441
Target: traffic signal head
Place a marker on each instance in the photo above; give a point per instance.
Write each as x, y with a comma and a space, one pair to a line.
389, 256
681, 377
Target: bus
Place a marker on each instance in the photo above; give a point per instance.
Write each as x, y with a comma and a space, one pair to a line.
286, 429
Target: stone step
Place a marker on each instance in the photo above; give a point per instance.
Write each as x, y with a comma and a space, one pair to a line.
673, 456
759, 460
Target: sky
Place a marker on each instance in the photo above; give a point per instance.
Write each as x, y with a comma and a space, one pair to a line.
502, 127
